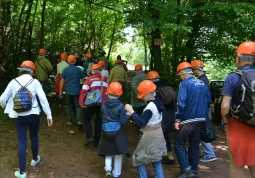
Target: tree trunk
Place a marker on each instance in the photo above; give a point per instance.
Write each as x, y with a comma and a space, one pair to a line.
112, 36
42, 24
156, 35
31, 25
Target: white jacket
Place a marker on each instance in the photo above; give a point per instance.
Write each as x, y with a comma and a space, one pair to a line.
6, 99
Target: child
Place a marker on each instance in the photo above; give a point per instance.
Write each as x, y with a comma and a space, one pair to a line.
114, 138
152, 145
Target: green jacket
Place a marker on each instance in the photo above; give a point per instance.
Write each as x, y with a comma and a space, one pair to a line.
137, 79
44, 69
118, 74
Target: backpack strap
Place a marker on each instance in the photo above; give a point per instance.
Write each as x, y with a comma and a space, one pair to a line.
42, 67
28, 83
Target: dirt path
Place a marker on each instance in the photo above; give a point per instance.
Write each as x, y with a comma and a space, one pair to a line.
64, 155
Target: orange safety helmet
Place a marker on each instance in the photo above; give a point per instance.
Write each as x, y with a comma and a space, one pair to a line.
28, 64
101, 62
117, 61
145, 87
183, 65
95, 67
42, 51
197, 63
152, 75
71, 59
115, 88
246, 48
89, 55
138, 67
63, 56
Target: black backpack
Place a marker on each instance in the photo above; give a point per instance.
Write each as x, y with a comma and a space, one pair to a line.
245, 97
167, 95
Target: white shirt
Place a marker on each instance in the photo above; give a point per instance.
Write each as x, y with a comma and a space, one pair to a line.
156, 117
6, 99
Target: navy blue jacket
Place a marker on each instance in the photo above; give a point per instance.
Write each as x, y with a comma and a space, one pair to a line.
113, 115
193, 100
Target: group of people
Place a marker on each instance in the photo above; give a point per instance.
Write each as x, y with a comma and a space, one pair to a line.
155, 108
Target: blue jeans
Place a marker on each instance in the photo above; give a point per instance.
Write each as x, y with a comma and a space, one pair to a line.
208, 149
70, 101
191, 131
22, 123
158, 170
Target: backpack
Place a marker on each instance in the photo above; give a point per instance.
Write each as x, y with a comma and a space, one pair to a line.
245, 97
22, 100
167, 95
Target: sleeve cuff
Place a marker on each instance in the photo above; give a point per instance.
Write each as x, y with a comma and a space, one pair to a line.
49, 117
177, 120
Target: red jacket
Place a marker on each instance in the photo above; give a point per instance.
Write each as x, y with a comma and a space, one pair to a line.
93, 82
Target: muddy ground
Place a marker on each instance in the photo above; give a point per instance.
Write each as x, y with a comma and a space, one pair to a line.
64, 155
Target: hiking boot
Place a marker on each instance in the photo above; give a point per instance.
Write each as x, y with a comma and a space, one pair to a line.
108, 174
166, 160
35, 162
207, 159
69, 123
187, 174
88, 141
18, 175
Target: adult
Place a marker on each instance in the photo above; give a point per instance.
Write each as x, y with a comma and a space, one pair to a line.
118, 74
104, 72
72, 76
140, 76
29, 119
87, 63
123, 62
168, 117
93, 82
192, 110
240, 136
43, 68
103, 58
60, 67
198, 70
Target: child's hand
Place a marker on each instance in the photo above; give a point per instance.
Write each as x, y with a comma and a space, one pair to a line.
129, 109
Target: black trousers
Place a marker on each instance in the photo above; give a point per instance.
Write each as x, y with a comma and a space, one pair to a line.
89, 112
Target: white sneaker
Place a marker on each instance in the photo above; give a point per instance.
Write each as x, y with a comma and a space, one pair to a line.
34, 163
18, 175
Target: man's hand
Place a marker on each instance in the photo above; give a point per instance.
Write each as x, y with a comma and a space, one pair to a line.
60, 95
177, 126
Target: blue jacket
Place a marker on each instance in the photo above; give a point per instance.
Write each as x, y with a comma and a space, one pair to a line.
193, 100
113, 115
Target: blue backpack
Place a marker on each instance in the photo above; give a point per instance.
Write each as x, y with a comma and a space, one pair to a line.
22, 100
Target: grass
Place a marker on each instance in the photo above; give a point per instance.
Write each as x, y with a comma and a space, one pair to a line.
5, 120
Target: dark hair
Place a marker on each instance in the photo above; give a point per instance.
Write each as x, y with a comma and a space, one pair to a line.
119, 57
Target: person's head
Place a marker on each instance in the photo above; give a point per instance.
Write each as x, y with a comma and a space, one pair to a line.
138, 67
63, 57
198, 67
245, 54
71, 59
146, 90
184, 70
27, 67
101, 62
114, 90
118, 62
42, 52
118, 57
95, 68
153, 76
88, 55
